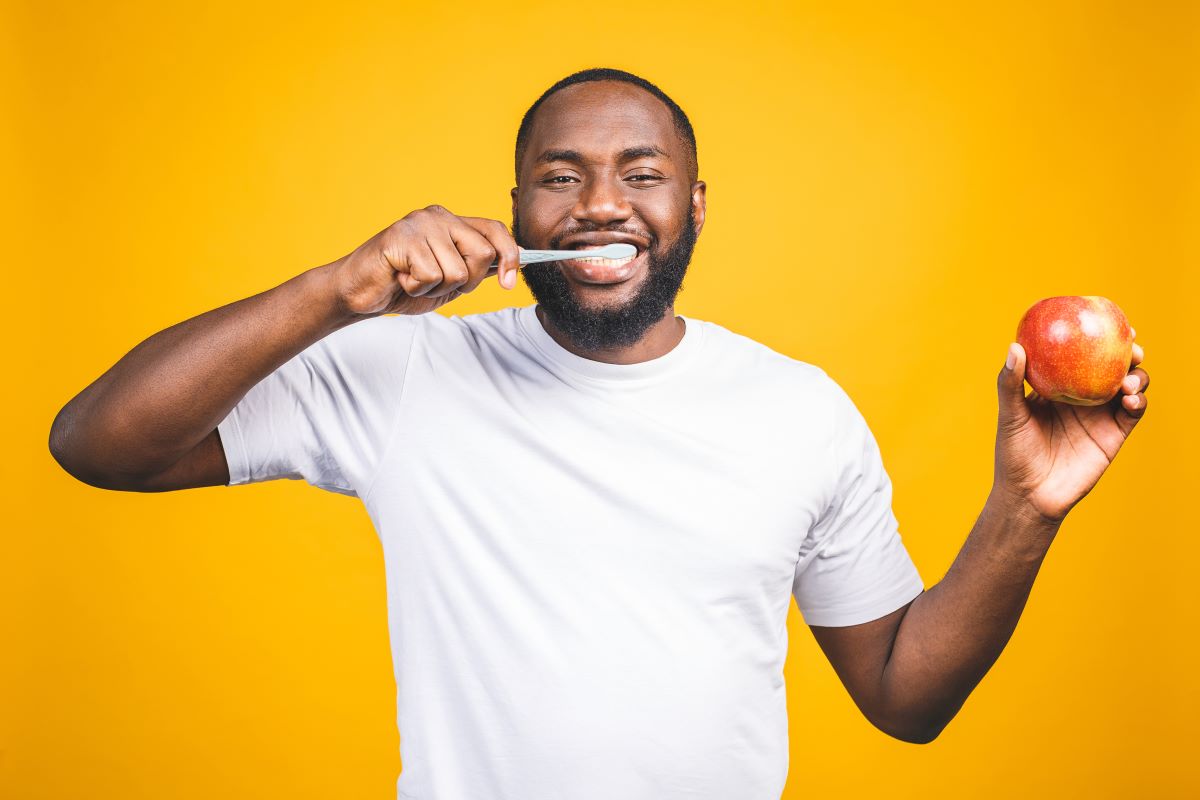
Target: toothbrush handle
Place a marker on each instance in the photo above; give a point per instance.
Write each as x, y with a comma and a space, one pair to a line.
538, 256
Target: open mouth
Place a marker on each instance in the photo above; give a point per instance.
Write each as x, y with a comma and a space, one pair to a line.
603, 270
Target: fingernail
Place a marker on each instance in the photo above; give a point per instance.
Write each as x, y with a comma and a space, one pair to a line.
1011, 361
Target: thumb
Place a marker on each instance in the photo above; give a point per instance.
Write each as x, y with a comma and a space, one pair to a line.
1011, 386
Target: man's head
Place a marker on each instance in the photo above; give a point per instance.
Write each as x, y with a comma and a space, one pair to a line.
604, 156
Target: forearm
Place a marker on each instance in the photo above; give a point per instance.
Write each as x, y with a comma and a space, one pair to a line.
169, 392
953, 633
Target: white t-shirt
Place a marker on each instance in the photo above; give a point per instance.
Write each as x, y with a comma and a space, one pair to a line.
589, 565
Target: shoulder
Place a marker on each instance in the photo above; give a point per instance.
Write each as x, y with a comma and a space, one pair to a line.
786, 387
735, 356
369, 333
385, 332
485, 336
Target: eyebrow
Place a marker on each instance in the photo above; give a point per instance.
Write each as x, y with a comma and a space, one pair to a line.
645, 151
628, 154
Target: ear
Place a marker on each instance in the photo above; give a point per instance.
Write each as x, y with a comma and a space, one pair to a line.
699, 204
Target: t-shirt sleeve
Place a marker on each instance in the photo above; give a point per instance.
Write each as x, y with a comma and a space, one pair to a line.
853, 567
326, 415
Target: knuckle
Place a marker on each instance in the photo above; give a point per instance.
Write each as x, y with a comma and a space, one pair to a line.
481, 253
422, 274
408, 225
504, 252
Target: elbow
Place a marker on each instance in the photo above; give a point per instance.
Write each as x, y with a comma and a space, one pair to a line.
912, 729
59, 444
915, 735
62, 455
69, 458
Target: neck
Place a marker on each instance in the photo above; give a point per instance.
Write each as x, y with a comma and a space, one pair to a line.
660, 339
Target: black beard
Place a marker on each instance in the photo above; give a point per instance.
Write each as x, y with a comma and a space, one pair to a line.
609, 328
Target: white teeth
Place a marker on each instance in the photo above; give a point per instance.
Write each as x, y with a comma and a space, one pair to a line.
606, 262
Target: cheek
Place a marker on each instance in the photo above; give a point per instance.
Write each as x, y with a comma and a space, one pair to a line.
542, 216
664, 220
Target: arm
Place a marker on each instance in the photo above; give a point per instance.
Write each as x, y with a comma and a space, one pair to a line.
911, 671
164, 398
149, 422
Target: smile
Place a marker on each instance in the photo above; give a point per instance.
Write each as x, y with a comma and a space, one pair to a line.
602, 270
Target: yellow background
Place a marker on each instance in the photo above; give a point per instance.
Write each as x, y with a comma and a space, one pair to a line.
889, 188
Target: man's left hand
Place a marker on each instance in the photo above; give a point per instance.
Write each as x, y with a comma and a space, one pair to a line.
1049, 455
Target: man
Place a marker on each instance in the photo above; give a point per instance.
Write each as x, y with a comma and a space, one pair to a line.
594, 512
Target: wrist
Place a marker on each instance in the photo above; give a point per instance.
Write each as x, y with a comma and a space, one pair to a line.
321, 286
1010, 504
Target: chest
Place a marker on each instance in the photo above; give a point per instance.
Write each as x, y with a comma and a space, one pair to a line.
628, 488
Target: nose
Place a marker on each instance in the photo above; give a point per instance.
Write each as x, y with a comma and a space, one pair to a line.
602, 201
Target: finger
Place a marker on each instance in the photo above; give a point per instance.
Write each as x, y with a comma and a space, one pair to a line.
1134, 405
1010, 385
454, 270
1138, 380
477, 252
1138, 355
507, 252
423, 273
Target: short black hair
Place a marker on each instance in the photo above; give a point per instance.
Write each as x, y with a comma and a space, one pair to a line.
682, 124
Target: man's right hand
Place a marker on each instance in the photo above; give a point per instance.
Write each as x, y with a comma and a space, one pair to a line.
424, 261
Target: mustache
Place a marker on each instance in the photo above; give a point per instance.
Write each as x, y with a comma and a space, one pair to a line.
557, 239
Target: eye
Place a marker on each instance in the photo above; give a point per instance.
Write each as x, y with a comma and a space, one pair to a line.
559, 179
644, 177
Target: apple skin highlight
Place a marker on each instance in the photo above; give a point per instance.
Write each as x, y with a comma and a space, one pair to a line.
1078, 348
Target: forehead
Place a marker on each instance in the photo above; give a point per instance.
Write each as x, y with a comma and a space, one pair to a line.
600, 119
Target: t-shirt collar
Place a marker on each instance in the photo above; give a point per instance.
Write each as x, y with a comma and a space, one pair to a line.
601, 371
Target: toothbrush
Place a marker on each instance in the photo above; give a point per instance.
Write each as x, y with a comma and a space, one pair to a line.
616, 250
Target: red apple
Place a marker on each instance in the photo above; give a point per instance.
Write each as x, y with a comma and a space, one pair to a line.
1077, 349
